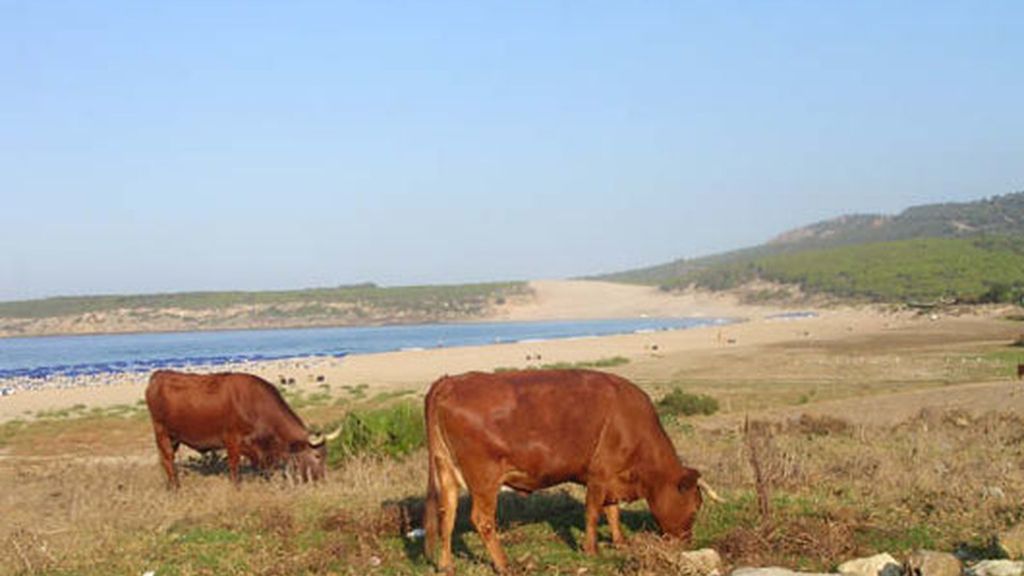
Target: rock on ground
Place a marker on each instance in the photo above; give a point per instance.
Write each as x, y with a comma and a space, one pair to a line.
931, 563
705, 561
996, 568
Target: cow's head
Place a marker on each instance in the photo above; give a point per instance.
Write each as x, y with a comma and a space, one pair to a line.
675, 504
309, 458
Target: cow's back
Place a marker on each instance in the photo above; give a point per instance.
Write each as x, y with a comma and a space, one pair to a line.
543, 426
198, 409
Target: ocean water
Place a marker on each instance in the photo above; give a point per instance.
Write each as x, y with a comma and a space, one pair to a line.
84, 355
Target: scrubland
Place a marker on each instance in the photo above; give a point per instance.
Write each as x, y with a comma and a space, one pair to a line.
901, 440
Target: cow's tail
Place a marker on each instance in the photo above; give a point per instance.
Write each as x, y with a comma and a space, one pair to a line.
435, 445
443, 475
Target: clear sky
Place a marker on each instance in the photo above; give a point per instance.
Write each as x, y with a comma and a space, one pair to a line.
188, 145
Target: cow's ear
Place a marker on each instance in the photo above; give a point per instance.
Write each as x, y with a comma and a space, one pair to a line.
688, 481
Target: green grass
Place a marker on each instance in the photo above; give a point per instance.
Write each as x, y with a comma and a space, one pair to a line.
899, 539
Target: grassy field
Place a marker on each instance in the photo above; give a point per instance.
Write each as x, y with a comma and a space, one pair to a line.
83, 493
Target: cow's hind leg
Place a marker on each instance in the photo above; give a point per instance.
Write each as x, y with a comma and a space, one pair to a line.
485, 507
448, 504
167, 448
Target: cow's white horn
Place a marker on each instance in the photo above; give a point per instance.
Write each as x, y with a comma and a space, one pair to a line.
334, 434
709, 491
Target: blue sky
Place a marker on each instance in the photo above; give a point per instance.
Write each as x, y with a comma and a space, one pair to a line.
169, 146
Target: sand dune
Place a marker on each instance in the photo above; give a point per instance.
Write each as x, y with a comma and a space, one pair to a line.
577, 299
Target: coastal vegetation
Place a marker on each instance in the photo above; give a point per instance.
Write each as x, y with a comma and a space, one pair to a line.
678, 403
356, 305
393, 431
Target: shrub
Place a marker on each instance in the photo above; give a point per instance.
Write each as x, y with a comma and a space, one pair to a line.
391, 432
678, 403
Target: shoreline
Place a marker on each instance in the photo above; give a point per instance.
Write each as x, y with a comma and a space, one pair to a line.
653, 357
405, 338
417, 369
56, 391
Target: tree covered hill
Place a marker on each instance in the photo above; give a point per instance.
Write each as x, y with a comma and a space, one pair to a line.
999, 215
971, 252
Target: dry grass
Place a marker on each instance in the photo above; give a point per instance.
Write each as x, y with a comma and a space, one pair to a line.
937, 480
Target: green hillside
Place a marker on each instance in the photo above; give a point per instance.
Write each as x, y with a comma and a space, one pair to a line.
983, 269
969, 251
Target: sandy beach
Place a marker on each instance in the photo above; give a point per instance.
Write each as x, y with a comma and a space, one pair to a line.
658, 356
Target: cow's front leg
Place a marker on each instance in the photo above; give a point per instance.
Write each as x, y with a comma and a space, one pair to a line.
595, 502
234, 448
611, 512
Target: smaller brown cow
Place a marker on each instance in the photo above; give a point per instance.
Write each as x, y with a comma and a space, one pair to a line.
533, 429
241, 413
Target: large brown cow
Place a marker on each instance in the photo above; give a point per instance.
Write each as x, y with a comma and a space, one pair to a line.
537, 428
242, 413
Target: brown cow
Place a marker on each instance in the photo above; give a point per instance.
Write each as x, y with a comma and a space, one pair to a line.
239, 412
533, 429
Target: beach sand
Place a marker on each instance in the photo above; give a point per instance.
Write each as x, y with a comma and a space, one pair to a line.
652, 356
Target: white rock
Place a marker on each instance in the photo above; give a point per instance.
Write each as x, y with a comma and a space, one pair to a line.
877, 565
705, 561
996, 568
